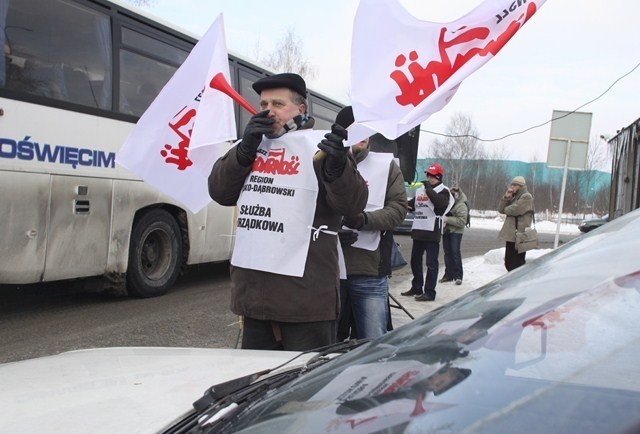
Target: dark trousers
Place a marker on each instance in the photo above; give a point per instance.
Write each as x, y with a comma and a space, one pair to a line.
432, 248
513, 259
261, 335
452, 255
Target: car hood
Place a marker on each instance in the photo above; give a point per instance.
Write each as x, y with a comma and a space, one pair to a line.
110, 390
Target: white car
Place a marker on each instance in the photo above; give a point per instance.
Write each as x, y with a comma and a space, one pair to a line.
551, 347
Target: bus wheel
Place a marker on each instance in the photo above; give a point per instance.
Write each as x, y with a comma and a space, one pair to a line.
155, 254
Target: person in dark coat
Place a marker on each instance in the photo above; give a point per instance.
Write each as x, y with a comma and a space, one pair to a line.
284, 305
433, 200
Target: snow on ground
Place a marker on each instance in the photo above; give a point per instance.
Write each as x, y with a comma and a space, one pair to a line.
478, 271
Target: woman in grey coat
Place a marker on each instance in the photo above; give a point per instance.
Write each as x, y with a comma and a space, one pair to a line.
517, 205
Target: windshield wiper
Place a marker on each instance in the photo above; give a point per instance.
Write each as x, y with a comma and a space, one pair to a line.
221, 390
224, 401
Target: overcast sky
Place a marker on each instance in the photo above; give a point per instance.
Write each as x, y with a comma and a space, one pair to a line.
569, 53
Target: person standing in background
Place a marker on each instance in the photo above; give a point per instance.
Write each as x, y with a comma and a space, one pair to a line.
454, 224
433, 200
517, 205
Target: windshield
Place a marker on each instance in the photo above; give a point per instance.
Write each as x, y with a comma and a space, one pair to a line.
554, 345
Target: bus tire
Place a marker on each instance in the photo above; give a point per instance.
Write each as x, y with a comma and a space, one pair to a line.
155, 254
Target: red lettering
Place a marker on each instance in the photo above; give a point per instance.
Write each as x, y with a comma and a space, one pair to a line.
425, 80
275, 163
182, 127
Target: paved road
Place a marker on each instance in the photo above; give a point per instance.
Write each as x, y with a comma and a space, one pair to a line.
38, 320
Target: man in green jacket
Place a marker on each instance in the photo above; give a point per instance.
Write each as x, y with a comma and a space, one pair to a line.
367, 249
517, 205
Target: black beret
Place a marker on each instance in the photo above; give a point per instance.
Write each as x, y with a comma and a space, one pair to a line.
345, 117
287, 80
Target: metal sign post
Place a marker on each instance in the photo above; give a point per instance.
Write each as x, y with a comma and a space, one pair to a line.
562, 191
568, 146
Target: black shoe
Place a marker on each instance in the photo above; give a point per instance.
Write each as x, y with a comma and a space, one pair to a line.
410, 293
424, 297
445, 280
458, 281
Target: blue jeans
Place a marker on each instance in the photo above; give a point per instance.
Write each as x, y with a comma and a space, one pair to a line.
452, 256
368, 299
432, 248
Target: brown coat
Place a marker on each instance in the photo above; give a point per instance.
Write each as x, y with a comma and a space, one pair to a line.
314, 296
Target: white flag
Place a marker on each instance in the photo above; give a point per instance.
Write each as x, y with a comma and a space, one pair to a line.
187, 114
398, 82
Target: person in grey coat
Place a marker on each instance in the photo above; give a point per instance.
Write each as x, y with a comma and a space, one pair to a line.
283, 311
517, 205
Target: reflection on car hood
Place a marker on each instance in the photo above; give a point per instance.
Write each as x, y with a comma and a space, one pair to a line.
117, 390
550, 347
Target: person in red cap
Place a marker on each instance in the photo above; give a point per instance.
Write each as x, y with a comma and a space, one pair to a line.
432, 201
284, 266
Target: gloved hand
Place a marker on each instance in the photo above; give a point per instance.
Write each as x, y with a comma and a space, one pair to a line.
258, 125
336, 152
347, 237
355, 222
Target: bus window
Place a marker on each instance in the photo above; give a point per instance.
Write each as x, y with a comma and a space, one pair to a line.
323, 114
58, 50
247, 92
146, 65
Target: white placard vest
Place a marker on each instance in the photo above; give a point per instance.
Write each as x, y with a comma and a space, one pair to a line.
375, 171
277, 205
424, 215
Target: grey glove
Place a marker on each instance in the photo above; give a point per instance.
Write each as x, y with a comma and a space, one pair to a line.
336, 152
258, 125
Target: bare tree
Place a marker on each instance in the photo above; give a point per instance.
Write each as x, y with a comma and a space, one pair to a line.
597, 158
287, 56
490, 179
460, 146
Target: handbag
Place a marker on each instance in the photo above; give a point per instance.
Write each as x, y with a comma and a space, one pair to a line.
397, 260
527, 239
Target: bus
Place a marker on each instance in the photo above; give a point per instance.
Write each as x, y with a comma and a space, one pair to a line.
75, 76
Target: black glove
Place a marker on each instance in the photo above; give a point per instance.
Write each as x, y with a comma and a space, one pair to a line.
336, 152
347, 237
355, 222
258, 125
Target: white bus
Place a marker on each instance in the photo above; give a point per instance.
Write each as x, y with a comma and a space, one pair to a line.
75, 76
